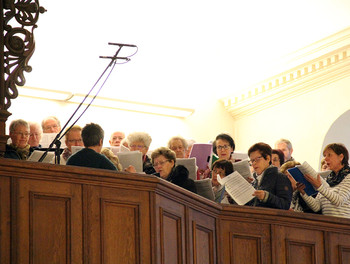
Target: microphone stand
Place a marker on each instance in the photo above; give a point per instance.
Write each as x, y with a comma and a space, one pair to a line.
113, 62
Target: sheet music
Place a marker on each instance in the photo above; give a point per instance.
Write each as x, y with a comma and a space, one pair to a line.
190, 164
133, 158
36, 155
237, 187
75, 149
47, 138
243, 168
204, 188
305, 168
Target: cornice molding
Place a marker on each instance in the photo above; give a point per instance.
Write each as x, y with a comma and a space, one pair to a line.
310, 75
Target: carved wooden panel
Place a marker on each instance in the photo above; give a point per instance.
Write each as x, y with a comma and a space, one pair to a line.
339, 248
5, 217
171, 236
297, 245
202, 238
49, 222
117, 226
246, 242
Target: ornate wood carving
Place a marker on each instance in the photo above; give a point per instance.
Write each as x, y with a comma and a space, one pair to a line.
19, 18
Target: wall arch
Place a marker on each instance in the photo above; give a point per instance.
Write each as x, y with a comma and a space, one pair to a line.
339, 132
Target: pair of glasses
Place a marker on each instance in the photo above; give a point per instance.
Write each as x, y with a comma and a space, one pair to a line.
252, 161
137, 146
223, 147
161, 163
75, 140
25, 134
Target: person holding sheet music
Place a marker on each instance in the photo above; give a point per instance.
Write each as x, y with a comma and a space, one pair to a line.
90, 156
277, 158
164, 162
333, 200
116, 138
36, 133
140, 141
19, 147
221, 168
51, 124
298, 204
179, 146
273, 189
224, 146
73, 138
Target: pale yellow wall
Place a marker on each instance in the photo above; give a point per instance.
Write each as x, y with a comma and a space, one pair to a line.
304, 120
209, 119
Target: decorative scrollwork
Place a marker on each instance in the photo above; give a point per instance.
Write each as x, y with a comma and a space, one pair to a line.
19, 44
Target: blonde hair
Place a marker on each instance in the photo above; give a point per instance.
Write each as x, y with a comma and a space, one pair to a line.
113, 158
288, 165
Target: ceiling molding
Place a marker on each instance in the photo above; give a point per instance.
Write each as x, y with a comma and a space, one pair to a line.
308, 76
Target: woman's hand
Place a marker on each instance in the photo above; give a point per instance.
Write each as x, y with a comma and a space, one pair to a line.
130, 169
260, 194
315, 182
301, 187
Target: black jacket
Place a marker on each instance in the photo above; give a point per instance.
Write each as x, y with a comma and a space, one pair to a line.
279, 188
179, 176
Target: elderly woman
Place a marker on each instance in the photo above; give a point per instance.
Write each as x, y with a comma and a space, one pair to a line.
164, 160
273, 189
179, 146
140, 141
19, 134
333, 200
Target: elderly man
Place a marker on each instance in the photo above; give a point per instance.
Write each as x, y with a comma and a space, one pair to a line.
73, 138
116, 138
36, 133
51, 124
179, 146
19, 134
286, 146
90, 156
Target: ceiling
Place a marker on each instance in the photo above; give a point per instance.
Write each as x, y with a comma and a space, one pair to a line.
188, 50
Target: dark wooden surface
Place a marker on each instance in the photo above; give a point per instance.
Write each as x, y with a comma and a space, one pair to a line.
65, 214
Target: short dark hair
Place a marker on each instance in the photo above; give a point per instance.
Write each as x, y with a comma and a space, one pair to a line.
264, 149
92, 134
225, 137
279, 154
225, 165
163, 151
339, 148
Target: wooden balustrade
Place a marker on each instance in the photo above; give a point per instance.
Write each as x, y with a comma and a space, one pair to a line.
65, 214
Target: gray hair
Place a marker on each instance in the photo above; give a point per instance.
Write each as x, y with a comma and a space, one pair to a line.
50, 117
19, 122
139, 136
283, 140
184, 141
37, 125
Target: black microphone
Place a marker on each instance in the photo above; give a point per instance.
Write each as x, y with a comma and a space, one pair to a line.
121, 45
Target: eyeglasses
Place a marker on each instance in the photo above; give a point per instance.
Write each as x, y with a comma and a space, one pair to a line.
75, 140
25, 134
223, 147
252, 161
161, 163
137, 146
50, 127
